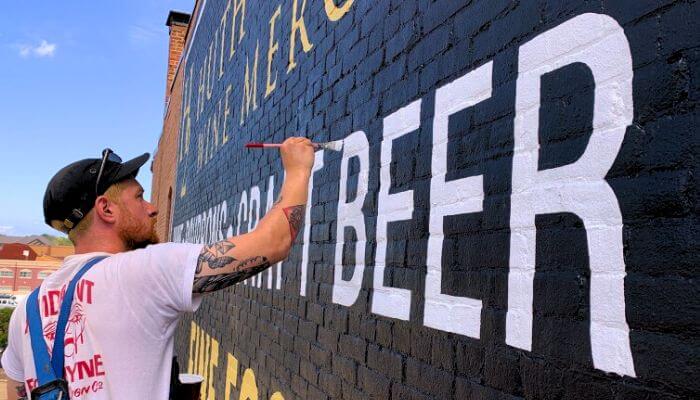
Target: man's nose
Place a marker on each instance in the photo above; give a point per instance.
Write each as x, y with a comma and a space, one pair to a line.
152, 210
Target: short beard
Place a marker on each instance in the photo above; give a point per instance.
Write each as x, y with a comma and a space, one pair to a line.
133, 235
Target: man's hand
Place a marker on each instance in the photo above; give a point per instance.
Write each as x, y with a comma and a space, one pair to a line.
237, 258
297, 155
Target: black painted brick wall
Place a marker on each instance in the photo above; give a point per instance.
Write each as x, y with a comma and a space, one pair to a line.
381, 56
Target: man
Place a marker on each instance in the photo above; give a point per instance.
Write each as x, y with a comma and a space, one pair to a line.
119, 336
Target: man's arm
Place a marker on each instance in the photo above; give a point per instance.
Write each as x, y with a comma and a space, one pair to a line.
16, 390
225, 263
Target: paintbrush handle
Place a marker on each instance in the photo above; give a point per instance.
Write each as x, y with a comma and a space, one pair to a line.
254, 145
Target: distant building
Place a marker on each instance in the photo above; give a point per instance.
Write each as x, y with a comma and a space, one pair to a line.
17, 251
18, 277
52, 252
32, 240
26, 262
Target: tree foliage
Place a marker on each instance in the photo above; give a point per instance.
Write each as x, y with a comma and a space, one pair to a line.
58, 240
5, 314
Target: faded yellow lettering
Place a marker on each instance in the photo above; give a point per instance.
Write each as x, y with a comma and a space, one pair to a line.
199, 152
186, 119
222, 28
250, 87
298, 25
209, 59
200, 361
205, 363
231, 375
249, 389
193, 345
227, 112
215, 127
216, 46
238, 7
334, 12
204, 360
198, 351
213, 362
200, 92
274, 45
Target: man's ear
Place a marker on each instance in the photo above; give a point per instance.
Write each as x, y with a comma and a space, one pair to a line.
106, 210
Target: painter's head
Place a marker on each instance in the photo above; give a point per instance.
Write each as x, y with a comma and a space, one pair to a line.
101, 197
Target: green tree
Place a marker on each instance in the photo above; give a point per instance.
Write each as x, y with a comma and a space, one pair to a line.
5, 314
58, 240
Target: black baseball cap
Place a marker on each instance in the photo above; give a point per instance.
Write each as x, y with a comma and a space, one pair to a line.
71, 193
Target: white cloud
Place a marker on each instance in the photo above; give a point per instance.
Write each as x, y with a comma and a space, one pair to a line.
43, 49
5, 229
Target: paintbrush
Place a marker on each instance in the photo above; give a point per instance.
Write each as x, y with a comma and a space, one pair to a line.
334, 146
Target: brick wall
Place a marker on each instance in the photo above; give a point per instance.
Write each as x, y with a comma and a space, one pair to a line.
513, 214
177, 23
162, 188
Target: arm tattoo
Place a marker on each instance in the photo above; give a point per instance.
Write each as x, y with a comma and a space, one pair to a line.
21, 392
243, 270
215, 256
219, 256
295, 216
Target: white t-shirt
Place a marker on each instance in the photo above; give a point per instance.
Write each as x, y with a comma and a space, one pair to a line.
119, 336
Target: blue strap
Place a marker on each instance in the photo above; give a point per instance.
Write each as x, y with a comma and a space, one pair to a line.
48, 370
57, 359
42, 362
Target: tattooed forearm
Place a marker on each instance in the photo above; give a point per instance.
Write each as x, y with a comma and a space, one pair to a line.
215, 256
295, 216
21, 392
244, 270
220, 256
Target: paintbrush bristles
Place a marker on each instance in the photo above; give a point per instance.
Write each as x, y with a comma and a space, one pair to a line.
333, 146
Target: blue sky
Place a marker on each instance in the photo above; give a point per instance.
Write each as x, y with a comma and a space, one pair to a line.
76, 77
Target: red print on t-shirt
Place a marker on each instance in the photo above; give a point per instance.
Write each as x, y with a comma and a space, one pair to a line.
76, 370
75, 329
51, 301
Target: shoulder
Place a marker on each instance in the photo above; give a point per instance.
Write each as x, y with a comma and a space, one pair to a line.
159, 249
162, 253
19, 315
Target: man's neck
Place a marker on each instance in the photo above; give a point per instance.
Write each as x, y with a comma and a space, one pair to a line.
93, 245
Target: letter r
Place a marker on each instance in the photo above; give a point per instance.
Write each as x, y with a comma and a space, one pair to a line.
599, 42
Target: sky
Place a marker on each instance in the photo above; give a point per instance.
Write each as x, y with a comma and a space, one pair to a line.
76, 77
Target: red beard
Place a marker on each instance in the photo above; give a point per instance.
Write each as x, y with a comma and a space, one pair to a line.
137, 235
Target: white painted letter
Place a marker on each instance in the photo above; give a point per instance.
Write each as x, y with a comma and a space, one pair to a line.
580, 187
455, 314
350, 214
318, 164
268, 205
254, 207
386, 300
242, 211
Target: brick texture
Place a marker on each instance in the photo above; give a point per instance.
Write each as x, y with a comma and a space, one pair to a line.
382, 56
